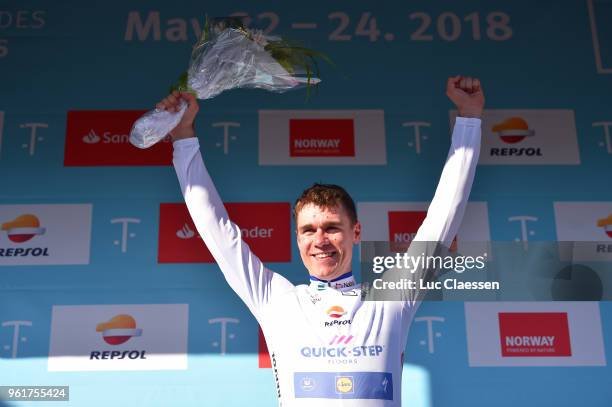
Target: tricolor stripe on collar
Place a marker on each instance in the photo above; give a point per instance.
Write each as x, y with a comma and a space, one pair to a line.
342, 283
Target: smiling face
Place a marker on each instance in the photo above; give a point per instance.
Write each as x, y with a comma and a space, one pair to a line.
325, 237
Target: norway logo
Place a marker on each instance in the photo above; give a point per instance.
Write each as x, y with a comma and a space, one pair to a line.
321, 138
534, 334
556, 333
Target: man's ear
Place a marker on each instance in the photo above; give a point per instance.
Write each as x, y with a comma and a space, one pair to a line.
357, 232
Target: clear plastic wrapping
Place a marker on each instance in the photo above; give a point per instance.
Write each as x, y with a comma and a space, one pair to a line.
229, 57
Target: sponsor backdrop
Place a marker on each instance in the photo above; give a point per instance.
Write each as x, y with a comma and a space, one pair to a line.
105, 285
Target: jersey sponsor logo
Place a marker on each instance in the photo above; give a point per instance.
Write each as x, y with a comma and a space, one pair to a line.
314, 297
588, 225
101, 138
265, 227
336, 312
346, 385
307, 383
340, 351
532, 334
341, 339
118, 337
344, 284
322, 137
559, 333
528, 137
44, 234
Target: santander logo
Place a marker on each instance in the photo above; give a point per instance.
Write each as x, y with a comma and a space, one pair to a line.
91, 137
101, 138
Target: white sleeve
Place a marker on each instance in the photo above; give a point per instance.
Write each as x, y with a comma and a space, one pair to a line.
448, 204
244, 272
447, 207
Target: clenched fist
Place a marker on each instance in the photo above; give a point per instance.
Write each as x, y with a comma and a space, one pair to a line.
171, 103
466, 93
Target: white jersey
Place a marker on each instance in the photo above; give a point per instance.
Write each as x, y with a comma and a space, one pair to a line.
327, 347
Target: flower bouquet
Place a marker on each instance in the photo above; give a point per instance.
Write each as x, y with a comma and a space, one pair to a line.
229, 56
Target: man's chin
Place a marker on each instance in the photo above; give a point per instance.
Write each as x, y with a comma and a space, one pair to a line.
326, 275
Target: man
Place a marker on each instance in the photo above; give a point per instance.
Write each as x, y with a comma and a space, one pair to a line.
327, 347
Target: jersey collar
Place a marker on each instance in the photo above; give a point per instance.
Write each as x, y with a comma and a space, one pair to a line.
343, 283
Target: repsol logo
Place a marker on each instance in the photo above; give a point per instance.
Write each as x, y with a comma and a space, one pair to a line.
24, 252
117, 354
516, 152
338, 322
341, 352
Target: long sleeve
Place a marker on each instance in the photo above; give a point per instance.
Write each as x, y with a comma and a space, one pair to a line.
244, 272
447, 207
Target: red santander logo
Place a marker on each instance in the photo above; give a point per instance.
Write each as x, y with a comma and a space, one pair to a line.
101, 138
264, 226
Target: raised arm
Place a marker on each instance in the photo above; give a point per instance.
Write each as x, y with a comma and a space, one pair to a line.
243, 271
447, 207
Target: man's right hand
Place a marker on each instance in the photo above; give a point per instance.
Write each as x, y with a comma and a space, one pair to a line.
185, 128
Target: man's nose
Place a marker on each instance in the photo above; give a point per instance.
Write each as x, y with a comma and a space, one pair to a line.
320, 237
